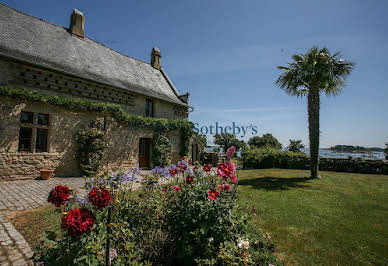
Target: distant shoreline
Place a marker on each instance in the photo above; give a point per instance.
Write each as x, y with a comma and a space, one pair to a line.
353, 149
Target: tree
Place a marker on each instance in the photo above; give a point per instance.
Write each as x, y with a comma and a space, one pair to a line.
203, 139
386, 151
267, 140
228, 140
308, 75
295, 146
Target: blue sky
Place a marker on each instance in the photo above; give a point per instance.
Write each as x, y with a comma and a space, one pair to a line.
225, 54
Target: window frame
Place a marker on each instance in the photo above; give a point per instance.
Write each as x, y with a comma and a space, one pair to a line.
31, 138
35, 127
147, 113
27, 123
36, 140
37, 120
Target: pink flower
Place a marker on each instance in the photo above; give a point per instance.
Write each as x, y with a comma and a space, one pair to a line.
230, 152
222, 187
176, 188
231, 166
226, 171
213, 194
227, 187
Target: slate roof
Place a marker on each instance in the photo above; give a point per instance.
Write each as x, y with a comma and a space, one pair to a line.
36, 41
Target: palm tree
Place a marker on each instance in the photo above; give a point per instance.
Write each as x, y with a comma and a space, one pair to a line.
295, 145
308, 75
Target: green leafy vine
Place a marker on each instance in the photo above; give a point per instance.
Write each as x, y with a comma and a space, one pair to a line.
114, 110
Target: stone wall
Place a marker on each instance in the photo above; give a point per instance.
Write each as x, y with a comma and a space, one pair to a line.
122, 151
17, 166
16, 74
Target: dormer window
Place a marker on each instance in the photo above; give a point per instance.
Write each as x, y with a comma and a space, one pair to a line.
149, 108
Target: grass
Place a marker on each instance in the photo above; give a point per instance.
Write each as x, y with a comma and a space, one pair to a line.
32, 223
341, 219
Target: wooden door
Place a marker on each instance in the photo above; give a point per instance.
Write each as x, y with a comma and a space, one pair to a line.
144, 152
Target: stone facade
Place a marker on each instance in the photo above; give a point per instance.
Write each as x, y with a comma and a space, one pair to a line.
55, 61
17, 74
122, 151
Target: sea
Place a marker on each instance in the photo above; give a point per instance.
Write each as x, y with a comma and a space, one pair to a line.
324, 153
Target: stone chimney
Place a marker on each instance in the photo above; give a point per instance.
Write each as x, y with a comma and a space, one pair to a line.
77, 23
184, 98
156, 58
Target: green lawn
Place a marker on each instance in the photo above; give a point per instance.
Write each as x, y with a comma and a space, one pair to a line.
341, 219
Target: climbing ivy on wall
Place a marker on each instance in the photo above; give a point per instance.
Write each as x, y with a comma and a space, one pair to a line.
92, 145
161, 149
114, 110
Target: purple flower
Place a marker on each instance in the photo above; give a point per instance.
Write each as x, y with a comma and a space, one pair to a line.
160, 171
172, 167
190, 172
81, 200
128, 177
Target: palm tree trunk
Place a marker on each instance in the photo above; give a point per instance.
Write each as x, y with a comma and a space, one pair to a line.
313, 114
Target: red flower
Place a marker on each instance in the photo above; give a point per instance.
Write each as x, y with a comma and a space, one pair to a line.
224, 187
59, 195
176, 188
183, 168
78, 221
207, 167
173, 172
189, 179
99, 197
213, 194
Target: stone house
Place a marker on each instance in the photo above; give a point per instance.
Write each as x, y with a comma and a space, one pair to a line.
36, 55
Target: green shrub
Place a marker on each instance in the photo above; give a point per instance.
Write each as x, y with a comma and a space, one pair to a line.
91, 148
161, 149
253, 157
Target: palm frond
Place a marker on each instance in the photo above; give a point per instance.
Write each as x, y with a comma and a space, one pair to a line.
316, 69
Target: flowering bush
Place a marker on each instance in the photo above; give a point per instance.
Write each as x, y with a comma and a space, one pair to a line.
59, 195
181, 215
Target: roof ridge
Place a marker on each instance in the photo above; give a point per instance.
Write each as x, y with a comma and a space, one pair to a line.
53, 24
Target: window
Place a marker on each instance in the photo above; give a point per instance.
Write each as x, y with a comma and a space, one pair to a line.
27, 117
43, 119
41, 140
149, 108
33, 129
25, 139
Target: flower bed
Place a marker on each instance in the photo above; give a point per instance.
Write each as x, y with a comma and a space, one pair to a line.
181, 215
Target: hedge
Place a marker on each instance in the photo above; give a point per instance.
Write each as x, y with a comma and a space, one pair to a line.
257, 158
